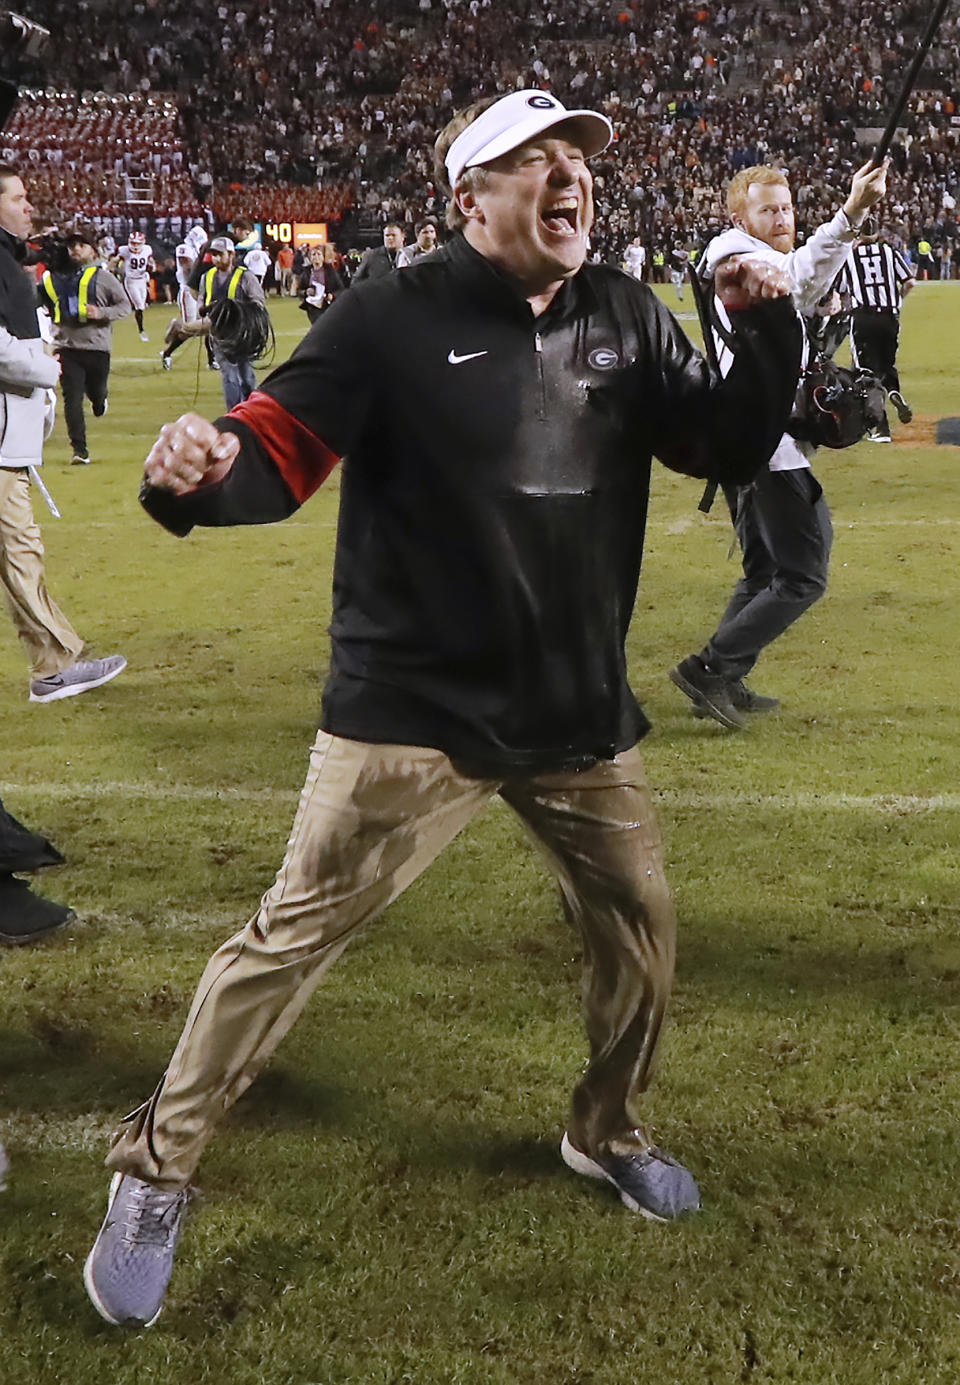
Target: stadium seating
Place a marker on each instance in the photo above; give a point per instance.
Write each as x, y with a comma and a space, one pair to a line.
327, 111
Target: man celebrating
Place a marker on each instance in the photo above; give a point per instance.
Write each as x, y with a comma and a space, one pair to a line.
781, 517
83, 306
488, 552
26, 377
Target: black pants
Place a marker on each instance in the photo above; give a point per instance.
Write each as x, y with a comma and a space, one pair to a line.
783, 524
874, 334
83, 374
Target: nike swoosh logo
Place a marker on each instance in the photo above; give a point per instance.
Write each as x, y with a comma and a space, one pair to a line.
454, 359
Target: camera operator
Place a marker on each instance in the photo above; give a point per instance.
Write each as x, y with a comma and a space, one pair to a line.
83, 300
781, 518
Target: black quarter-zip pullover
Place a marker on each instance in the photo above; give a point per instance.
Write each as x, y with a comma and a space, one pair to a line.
496, 472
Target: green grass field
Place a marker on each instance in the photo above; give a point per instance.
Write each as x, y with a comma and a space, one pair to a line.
387, 1205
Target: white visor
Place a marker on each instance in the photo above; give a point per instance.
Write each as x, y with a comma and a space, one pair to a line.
513, 121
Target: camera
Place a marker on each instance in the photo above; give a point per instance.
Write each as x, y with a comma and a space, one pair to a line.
23, 38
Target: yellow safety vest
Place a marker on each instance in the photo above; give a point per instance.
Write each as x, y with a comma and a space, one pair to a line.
232, 287
83, 293
924, 247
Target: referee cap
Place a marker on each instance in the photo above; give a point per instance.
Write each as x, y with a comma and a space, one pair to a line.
515, 119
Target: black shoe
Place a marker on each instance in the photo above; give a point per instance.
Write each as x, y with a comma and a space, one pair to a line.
21, 849
746, 700
904, 411
26, 917
708, 691
648, 1181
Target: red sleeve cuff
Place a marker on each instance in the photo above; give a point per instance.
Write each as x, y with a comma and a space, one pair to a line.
303, 460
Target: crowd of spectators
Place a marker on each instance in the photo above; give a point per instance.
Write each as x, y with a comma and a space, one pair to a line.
327, 108
93, 154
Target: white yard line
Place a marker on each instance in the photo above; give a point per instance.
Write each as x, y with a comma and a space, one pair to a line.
899, 804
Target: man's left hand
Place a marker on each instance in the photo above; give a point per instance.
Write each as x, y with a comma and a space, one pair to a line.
742, 282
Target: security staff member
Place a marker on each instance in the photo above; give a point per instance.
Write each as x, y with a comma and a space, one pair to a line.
224, 279
382, 259
926, 264
83, 305
499, 404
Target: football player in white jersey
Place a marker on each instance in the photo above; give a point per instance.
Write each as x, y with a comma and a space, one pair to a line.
196, 238
634, 258
186, 302
136, 263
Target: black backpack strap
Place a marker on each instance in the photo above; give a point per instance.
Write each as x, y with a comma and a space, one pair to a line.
703, 300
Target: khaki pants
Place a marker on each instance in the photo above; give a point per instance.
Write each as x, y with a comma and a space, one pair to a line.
49, 639
371, 818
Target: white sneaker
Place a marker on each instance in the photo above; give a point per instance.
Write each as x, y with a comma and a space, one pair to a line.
144, 337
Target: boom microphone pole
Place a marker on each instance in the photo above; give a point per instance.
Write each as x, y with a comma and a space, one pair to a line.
880, 153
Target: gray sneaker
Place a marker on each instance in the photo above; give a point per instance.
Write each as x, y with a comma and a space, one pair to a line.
708, 691
128, 1270
78, 678
648, 1181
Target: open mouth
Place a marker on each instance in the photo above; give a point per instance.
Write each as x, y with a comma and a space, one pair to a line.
561, 219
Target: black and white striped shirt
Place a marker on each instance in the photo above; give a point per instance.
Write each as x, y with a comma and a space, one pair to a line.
873, 276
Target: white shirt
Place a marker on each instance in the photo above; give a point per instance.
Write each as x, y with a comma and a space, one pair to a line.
196, 239
257, 261
812, 268
184, 265
634, 258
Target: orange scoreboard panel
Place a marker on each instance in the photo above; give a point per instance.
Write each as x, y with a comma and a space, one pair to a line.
297, 232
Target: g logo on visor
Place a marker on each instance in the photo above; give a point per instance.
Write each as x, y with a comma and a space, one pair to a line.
541, 103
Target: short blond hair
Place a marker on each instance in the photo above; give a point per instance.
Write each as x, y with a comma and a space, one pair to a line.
471, 179
738, 189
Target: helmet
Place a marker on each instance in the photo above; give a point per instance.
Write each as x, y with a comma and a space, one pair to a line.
136, 238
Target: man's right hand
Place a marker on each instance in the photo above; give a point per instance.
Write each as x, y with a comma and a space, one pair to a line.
868, 186
189, 453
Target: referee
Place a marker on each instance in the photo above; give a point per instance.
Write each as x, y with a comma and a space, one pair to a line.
877, 278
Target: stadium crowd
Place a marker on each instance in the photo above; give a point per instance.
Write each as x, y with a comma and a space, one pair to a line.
327, 111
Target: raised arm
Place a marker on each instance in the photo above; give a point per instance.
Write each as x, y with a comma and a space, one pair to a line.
261, 461
726, 428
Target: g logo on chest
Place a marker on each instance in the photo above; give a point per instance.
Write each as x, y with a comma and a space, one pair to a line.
603, 358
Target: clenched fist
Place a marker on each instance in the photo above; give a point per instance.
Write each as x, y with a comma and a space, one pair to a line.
189, 453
